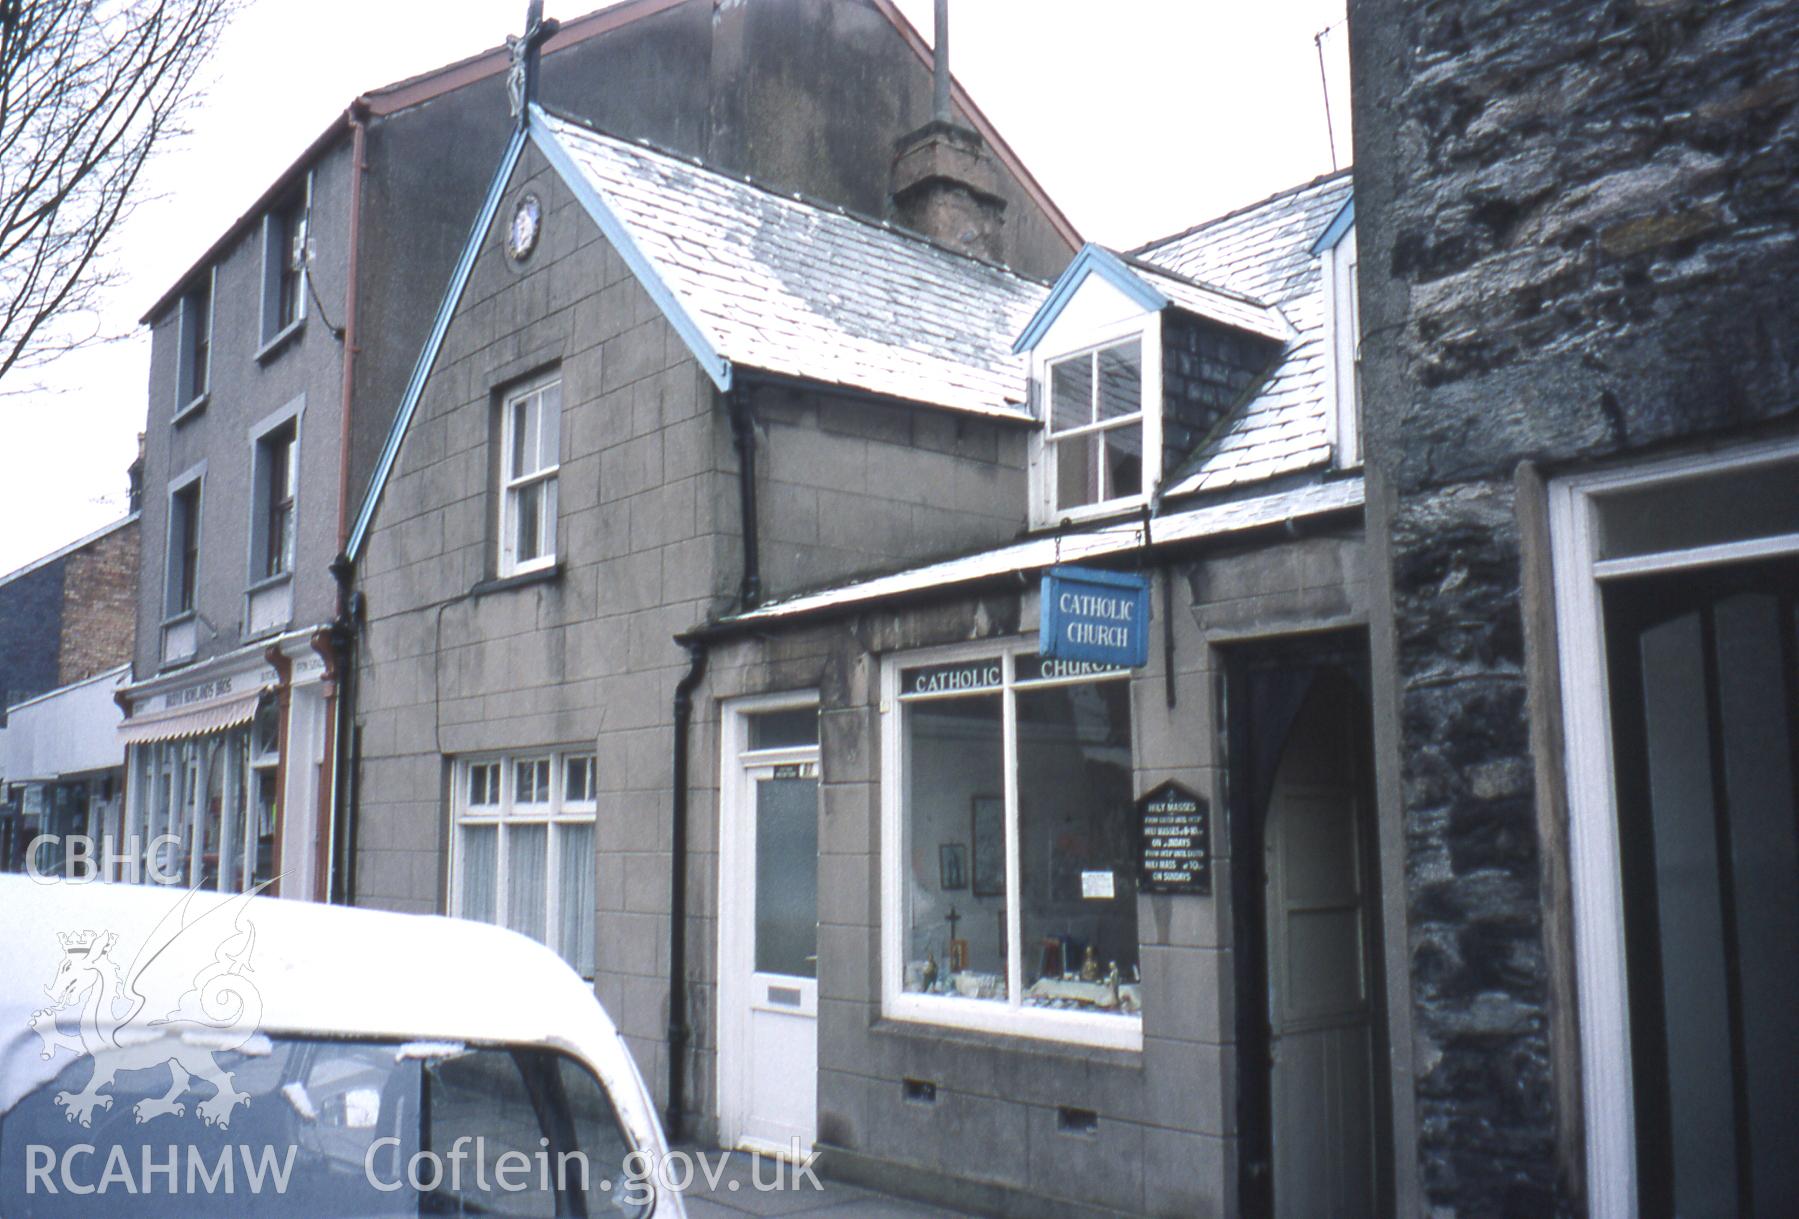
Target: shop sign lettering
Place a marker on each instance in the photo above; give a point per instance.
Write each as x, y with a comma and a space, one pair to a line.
196, 694
1101, 617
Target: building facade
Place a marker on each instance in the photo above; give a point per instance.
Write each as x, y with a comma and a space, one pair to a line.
279, 358
66, 623
701, 580
1580, 353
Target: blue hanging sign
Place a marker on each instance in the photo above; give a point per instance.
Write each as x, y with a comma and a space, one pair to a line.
1098, 616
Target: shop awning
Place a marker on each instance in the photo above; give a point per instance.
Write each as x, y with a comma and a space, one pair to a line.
193, 720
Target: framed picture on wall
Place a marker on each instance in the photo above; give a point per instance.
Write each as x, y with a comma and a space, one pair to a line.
989, 834
952, 866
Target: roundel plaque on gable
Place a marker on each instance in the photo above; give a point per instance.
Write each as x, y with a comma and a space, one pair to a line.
527, 223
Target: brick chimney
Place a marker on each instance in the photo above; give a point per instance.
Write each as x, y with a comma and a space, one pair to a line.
944, 182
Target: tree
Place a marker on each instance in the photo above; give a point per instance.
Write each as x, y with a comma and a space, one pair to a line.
89, 89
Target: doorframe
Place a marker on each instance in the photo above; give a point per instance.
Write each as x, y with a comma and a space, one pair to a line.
1595, 862
735, 925
1348, 651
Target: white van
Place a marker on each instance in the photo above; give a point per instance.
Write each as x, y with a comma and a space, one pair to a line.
172, 1054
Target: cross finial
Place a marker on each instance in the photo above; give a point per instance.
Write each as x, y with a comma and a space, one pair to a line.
527, 48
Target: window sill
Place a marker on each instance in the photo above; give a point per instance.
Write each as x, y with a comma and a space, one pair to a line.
197, 406
278, 340
523, 579
1086, 514
1025, 1029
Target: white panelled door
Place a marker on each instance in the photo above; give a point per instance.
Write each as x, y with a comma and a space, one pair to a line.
768, 941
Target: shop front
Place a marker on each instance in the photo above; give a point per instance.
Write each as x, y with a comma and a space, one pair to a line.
1050, 894
61, 774
224, 769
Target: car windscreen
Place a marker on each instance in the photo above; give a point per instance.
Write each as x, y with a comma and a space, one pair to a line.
319, 1128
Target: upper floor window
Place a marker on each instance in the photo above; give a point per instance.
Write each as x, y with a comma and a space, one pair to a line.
181, 570
184, 550
531, 438
272, 544
1094, 449
193, 365
284, 266
1343, 346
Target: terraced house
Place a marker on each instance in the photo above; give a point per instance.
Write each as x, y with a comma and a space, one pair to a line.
279, 357
703, 584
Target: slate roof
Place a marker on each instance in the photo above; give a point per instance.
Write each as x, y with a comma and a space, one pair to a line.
1264, 252
1211, 520
789, 286
1203, 300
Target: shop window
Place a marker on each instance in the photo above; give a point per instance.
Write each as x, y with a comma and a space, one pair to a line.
531, 427
207, 812
1094, 449
524, 849
1011, 895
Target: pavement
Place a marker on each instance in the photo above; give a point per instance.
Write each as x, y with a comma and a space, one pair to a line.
745, 1184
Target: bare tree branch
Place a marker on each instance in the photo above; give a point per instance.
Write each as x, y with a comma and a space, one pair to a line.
89, 89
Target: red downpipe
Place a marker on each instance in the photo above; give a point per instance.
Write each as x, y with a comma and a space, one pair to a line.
358, 169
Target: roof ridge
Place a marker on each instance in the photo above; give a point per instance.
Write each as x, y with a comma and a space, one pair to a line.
1320, 180
794, 197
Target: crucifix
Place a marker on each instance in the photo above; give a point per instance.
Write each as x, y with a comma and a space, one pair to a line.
952, 919
526, 48
958, 949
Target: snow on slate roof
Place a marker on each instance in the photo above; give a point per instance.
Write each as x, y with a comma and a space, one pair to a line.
792, 287
1230, 308
1209, 521
1264, 252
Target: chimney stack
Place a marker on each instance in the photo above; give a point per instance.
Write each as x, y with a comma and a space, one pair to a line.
944, 182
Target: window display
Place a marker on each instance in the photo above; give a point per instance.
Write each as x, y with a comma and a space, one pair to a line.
1021, 767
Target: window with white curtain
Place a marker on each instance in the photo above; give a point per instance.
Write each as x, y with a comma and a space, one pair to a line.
524, 848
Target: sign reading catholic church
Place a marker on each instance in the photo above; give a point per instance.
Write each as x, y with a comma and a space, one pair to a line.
1097, 616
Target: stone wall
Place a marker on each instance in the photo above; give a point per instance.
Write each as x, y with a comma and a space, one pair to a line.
1577, 241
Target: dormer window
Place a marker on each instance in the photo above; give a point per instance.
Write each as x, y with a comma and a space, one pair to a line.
1132, 369
1336, 251
1094, 453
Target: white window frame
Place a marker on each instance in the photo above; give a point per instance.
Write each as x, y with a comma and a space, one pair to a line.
556, 814
1010, 1018
510, 487
1594, 854
1343, 350
1146, 328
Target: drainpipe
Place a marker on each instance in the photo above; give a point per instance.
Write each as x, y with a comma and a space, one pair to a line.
355, 116
678, 1030
743, 431
337, 644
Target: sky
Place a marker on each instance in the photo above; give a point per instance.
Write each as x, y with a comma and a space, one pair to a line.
1139, 117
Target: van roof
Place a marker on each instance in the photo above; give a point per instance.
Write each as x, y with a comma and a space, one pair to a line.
318, 969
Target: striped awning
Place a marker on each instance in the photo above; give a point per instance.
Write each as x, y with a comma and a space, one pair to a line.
197, 719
